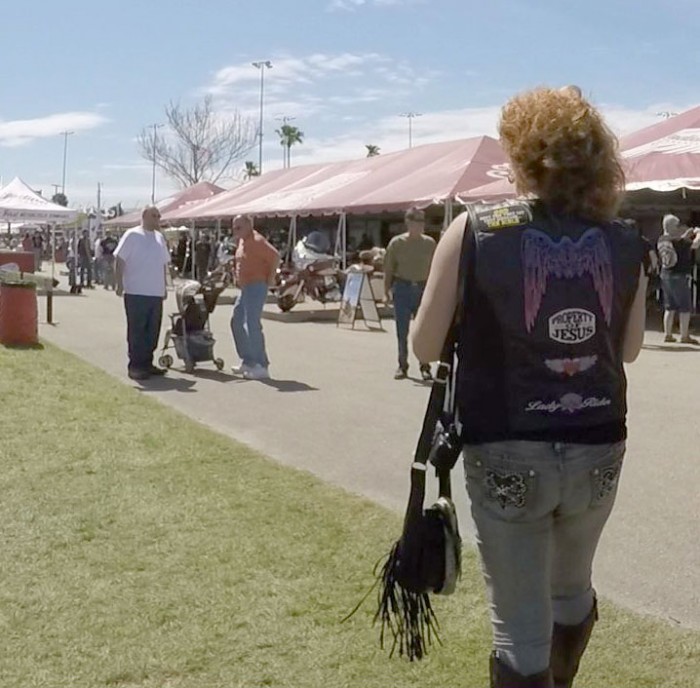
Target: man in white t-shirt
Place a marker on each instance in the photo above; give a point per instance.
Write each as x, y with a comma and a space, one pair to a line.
142, 259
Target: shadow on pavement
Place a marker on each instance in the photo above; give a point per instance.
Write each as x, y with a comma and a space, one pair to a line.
289, 386
167, 384
215, 375
680, 348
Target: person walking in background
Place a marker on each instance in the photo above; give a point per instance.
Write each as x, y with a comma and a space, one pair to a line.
552, 304
256, 265
675, 247
108, 246
38, 248
85, 260
202, 256
99, 267
406, 267
142, 259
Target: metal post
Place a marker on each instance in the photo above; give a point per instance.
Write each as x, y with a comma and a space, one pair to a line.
262, 65
410, 116
49, 291
65, 135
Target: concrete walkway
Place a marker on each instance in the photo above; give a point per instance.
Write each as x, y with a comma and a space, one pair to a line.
334, 409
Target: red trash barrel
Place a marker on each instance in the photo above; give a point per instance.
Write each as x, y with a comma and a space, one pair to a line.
18, 315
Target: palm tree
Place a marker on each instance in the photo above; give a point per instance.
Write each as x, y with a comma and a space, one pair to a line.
289, 135
251, 170
372, 150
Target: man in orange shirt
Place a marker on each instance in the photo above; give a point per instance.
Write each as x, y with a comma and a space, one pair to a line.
256, 266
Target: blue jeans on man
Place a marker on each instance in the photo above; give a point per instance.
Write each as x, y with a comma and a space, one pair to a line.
143, 319
407, 297
246, 325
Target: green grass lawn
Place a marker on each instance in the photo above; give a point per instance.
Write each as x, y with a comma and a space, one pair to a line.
142, 549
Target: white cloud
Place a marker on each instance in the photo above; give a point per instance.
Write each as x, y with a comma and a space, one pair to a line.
318, 84
352, 5
289, 71
22, 131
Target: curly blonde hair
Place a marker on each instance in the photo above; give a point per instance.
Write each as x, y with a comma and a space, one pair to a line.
562, 151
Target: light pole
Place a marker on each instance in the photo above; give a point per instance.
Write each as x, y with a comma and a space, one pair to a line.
155, 141
65, 135
262, 66
410, 116
285, 149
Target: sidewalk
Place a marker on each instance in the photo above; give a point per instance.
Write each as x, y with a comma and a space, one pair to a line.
335, 410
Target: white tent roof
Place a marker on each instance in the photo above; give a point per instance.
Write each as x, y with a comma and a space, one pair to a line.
20, 203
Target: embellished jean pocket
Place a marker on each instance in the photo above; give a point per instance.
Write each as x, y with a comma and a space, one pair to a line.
501, 486
604, 481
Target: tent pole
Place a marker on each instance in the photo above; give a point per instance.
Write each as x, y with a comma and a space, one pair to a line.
193, 273
292, 238
341, 242
49, 291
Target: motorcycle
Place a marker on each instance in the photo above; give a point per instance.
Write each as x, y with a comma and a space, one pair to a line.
314, 274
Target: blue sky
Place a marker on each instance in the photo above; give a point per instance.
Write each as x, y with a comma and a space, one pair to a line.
344, 69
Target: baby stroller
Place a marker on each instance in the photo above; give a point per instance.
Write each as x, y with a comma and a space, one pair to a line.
190, 334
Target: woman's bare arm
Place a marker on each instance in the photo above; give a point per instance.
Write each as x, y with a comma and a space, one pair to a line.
440, 298
636, 322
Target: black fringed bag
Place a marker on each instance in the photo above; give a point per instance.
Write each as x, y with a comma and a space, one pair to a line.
427, 558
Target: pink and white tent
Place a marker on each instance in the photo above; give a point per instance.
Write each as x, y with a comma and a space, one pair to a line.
179, 201
498, 190
418, 177
664, 156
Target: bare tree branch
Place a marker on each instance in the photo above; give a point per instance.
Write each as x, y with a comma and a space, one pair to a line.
199, 144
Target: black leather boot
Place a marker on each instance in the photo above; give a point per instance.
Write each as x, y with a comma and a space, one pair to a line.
502, 676
568, 645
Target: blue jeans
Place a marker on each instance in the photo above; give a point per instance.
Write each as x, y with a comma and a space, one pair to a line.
143, 318
407, 298
85, 272
246, 325
678, 293
539, 511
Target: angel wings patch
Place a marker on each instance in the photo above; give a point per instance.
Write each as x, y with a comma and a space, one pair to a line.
544, 258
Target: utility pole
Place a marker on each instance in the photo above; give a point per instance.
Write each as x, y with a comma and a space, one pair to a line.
262, 66
65, 135
155, 155
410, 116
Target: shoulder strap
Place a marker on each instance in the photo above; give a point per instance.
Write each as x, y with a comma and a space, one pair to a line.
437, 408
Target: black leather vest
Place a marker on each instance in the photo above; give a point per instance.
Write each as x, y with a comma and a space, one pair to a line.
546, 302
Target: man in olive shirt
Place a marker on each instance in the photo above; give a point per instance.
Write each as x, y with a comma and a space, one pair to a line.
406, 268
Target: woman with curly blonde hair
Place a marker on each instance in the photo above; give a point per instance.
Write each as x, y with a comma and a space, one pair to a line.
549, 290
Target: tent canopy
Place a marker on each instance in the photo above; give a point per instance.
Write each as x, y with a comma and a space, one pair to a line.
177, 202
20, 203
418, 177
664, 156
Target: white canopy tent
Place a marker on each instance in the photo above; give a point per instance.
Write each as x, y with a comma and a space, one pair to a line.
20, 203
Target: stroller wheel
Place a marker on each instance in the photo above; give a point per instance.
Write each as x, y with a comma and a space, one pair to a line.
166, 361
219, 363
